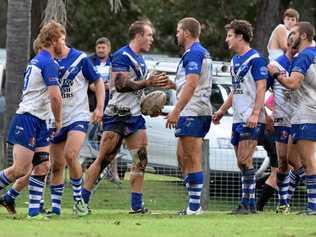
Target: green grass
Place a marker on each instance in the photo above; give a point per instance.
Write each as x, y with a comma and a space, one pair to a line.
164, 196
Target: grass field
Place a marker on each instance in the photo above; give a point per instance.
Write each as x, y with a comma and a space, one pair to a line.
109, 218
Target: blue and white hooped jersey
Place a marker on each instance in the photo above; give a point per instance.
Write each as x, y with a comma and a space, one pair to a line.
246, 69
305, 96
196, 60
75, 72
41, 72
283, 108
125, 60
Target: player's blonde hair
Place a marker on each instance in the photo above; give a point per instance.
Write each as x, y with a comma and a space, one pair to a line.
190, 25
50, 32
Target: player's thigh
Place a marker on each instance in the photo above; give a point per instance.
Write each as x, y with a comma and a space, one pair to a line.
57, 154
245, 150
307, 151
109, 144
281, 150
192, 146
73, 144
137, 139
294, 157
22, 157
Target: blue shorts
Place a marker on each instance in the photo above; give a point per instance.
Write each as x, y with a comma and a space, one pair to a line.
306, 131
282, 134
123, 125
28, 131
240, 132
62, 135
193, 126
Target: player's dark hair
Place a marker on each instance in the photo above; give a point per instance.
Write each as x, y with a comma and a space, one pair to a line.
103, 40
307, 28
241, 27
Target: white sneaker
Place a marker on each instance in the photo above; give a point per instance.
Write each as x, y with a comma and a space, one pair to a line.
188, 212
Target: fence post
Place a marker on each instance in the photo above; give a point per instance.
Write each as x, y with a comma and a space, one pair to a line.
206, 170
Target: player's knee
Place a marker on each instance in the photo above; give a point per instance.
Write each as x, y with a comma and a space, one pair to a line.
20, 171
71, 156
41, 169
140, 159
41, 163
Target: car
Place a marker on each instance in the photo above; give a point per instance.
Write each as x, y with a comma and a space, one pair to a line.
162, 143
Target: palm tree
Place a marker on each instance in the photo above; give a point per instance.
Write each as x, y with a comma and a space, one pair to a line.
17, 46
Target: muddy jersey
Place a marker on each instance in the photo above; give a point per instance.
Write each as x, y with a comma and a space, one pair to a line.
126, 103
283, 106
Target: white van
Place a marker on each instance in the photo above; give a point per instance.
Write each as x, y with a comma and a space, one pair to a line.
162, 143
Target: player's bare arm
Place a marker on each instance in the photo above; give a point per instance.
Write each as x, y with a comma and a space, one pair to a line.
124, 84
292, 82
259, 103
56, 104
217, 116
281, 35
100, 95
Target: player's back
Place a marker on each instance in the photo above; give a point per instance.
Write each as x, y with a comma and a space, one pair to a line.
40, 72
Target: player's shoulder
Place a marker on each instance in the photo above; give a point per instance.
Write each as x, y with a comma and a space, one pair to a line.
42, 59
280, 28
76, 53
309, 52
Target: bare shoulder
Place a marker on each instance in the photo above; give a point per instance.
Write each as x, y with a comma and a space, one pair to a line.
280, 28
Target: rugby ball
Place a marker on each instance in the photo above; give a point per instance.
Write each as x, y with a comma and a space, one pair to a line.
153, 103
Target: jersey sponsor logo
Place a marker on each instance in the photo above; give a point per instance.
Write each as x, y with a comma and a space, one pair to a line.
263, 71
192, 66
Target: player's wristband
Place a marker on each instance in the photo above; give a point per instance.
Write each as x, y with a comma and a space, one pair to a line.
276, 75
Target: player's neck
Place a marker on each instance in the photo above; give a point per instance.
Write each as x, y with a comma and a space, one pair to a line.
64, 52
51, 52
189, 43
242, 49
135, 47
303, 45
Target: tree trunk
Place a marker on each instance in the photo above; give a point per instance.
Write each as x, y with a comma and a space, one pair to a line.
268, 17
18, 48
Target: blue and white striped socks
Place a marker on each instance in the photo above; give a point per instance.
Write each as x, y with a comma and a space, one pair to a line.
294, 178
76, 188
11, 195
36, 186
283, 185
195, 181
311, 192
4, 181
248, 188
56, 195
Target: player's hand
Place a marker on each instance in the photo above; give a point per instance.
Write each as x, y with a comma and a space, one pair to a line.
252, 121
172, 119
272, 69
217, 116
170, 85
97, 116
158, 80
